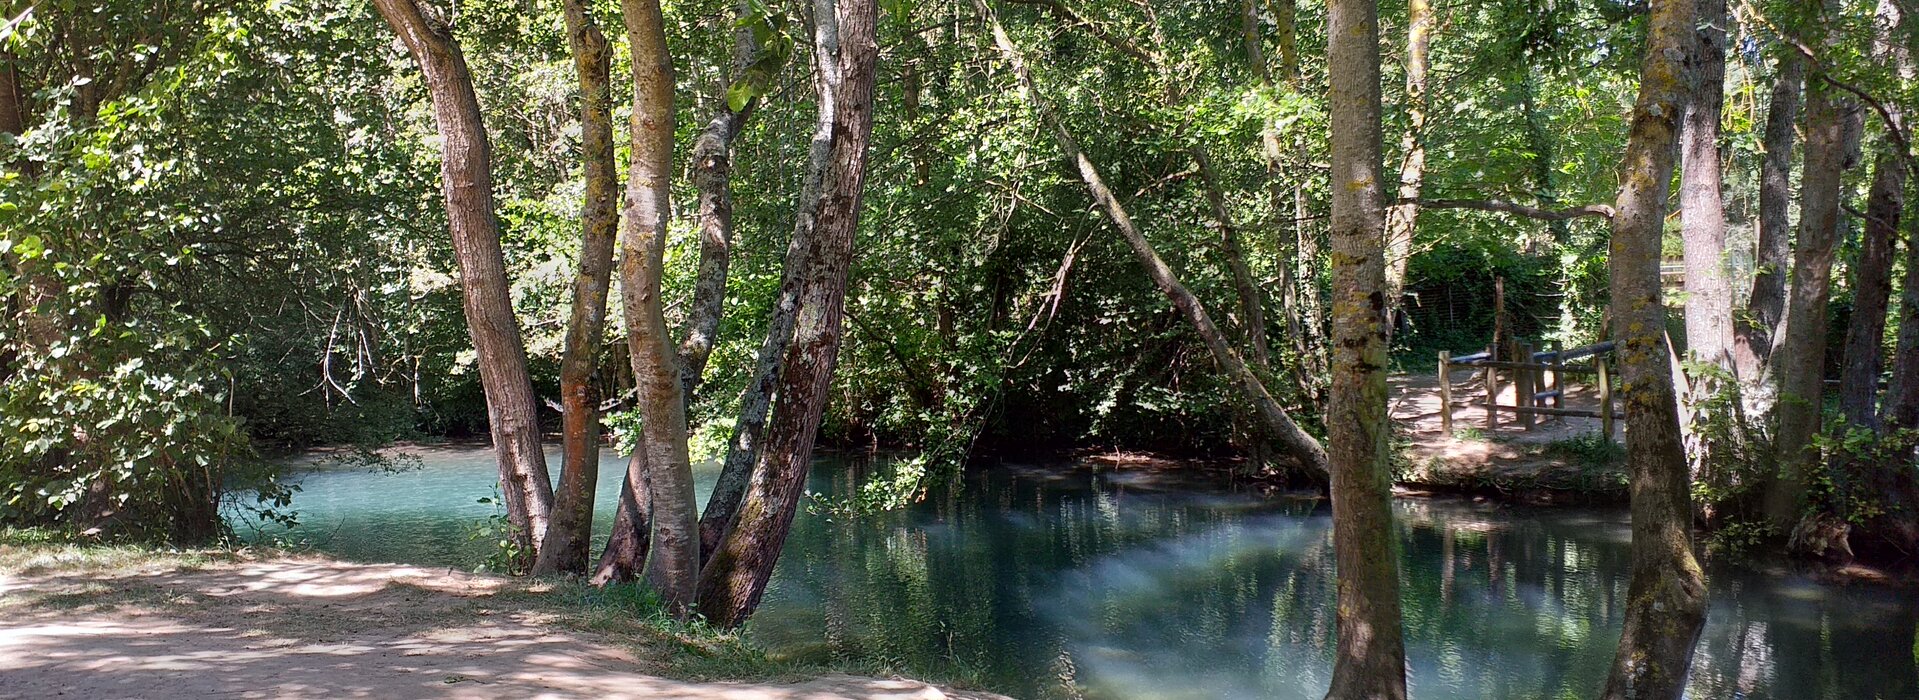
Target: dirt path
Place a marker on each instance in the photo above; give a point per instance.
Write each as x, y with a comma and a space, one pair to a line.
1559, 456
298, 627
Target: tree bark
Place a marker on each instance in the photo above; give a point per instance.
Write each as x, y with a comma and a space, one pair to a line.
673, 551
1799, 348
1370, 661
1402, 217
1301, 446
1666, 599
467, 177
736, 575
565, 548
1767, 306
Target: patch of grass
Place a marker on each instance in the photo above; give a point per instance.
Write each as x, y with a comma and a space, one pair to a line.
1588, 450
38, 551
1469, 433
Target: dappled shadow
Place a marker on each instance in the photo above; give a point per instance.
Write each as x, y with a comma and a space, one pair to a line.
319, 629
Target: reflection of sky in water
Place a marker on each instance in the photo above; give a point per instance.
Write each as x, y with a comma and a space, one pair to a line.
1056, 583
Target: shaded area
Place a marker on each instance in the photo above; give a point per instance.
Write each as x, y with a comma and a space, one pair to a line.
309, 628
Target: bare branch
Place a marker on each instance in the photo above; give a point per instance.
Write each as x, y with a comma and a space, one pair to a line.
1604, 211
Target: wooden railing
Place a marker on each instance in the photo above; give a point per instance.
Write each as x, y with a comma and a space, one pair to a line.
1539, 384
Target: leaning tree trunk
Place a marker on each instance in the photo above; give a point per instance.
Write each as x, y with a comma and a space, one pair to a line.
467, 177
1767, 305
736, 575
744, 445
565, 549
1863, 353
673, 551
713, 177
1666, 599
1799, 350
1370, 661
1299, 445
1402, 217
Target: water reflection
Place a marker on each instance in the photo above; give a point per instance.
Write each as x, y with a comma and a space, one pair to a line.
1046, 582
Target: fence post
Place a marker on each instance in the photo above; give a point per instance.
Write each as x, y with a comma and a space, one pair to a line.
1446, 392
1492, 390
1559, 360
1605, 397
1524, 388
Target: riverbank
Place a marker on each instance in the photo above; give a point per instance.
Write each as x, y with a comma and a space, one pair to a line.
113, 621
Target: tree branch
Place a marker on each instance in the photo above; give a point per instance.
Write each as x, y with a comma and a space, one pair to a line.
1604, 211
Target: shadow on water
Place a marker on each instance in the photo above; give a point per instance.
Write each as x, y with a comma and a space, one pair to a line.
1058, 581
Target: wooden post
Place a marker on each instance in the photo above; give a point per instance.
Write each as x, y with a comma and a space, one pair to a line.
1559, 360
1492, 390
1605, 397
1524, 387
1446, 392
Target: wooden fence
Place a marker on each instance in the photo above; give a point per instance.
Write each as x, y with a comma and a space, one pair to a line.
1539, 384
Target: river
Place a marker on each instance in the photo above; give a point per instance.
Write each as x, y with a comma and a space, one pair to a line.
1070, 581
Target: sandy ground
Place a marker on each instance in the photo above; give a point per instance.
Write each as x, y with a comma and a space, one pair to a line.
298, 627
1509, 456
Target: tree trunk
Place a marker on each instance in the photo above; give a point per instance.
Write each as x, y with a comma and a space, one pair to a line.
1666, 599
1371, 658
626, 544
1402, 217
565, 549
1301, 446
1299, 296
1768, 302
1799, 349
743, 448
1701, 207
467, 177
1252, 310
713, 178
736, 576
673, 552
1902, 397
1702, 214
1871, 290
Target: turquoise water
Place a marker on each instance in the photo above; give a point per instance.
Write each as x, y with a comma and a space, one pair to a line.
1063, 581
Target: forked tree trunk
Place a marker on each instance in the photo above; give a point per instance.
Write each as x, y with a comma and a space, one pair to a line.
1666, 599
673, 551
1767, 305
1799, 349
1402, 217
1370, 661
1863, 354
1299, 445
737, 574
565, 549
467, 178
743, 447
